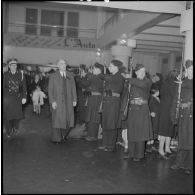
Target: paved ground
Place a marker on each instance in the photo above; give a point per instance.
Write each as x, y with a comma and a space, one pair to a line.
34, 165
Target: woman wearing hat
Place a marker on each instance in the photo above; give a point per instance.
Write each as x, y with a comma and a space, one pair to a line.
113, 87
184, 158
14, 95
95, 89
166, 126
139, 121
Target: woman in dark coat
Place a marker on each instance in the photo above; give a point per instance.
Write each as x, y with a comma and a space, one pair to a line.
184, 158
113, 87
166, 126
139, 120
63, 99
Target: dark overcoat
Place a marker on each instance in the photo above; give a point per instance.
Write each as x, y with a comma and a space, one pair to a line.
154, 106
139, 121
111, 105
63, 92
94, 101
14, 89
167, 93
81, 87
185, 118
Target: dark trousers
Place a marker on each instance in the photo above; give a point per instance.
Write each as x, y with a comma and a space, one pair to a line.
119, 135
184, 159
136, 149
93, 129
10, 125
58, 134
109, 138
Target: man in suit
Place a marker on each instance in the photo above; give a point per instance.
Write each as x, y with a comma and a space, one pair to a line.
63, 99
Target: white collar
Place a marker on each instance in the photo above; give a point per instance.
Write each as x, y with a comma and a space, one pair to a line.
63, 73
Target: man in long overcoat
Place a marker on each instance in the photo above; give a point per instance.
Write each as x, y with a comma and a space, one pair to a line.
62, 98
14, 95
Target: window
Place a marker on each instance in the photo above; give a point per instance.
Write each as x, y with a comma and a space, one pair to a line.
50, 19
31, 21
73, 23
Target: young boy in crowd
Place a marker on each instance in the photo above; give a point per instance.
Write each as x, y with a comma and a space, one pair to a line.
37, 99
154, 106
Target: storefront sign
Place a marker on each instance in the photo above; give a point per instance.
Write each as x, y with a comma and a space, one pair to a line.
22, 40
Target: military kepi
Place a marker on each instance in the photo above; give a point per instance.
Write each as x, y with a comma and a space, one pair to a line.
12, 61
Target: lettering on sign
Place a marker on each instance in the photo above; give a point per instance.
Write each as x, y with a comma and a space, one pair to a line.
50, 42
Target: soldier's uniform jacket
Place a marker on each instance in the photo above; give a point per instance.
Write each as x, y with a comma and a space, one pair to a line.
113, 88
14, 89
185, 118
139, 120
94, 88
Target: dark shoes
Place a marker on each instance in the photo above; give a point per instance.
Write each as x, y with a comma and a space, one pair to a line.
175, 167
90, 139
136, 159
101, 147
161, 156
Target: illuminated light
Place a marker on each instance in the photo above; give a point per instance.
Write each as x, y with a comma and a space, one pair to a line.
131, 43
106, 1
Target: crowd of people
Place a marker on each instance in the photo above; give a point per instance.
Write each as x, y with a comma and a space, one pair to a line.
129, 107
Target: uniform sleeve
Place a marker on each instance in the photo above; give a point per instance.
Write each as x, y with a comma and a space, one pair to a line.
151, 104
24, 90
73, 88
174, 105
51, 89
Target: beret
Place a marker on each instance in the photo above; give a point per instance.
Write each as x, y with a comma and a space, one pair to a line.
100, 66
117, 63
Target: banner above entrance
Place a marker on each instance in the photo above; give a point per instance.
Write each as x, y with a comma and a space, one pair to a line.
23, 40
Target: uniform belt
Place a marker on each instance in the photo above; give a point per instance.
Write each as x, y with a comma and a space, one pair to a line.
139, 101
95, 93
112, 94
185, 105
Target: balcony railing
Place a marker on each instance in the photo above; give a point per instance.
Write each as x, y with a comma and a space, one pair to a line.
46, 36
51, 30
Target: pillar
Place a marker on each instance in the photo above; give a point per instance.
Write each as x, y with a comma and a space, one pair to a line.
186, 28
123, 52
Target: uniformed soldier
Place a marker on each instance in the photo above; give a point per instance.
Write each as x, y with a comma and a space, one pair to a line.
114, 83
14, 95
95, 89
139, 121
184, 158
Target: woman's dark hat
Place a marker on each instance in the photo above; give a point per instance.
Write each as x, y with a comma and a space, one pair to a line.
138, 67
189, 63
